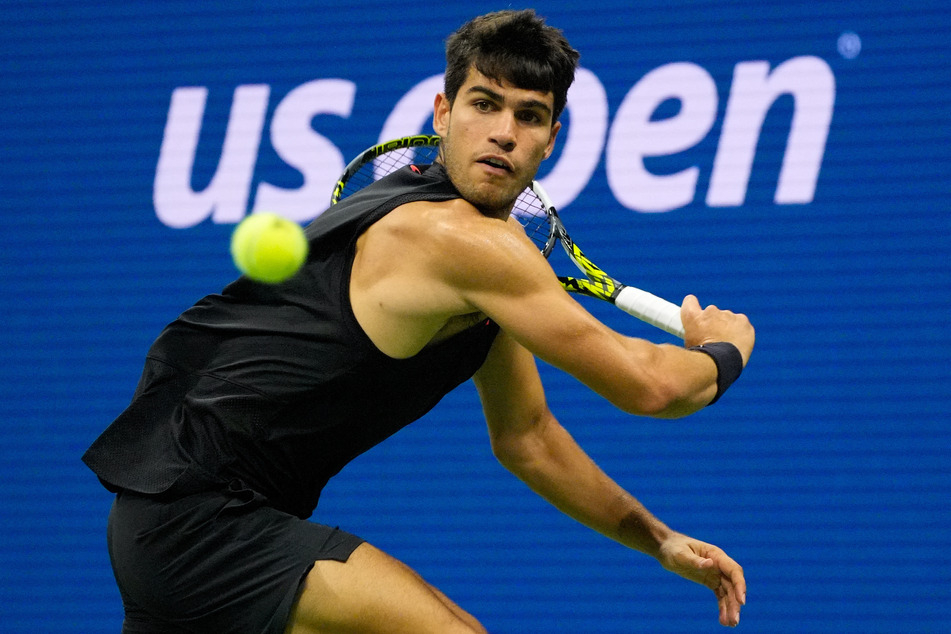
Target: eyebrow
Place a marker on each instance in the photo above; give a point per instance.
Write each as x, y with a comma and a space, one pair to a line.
526, 103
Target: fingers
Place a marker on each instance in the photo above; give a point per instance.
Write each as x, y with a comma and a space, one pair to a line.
725, 577
690, 304
739, 582
710, 323
710, 566
690, 311
698, 561
728, 601
730, 592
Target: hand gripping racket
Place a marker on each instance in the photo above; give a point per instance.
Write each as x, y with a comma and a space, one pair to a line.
535, 211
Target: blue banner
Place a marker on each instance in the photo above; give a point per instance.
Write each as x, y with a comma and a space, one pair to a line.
786, 160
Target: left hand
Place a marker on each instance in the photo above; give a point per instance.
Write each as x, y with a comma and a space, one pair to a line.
710, 566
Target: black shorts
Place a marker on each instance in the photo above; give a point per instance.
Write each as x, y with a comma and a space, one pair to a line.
214, 562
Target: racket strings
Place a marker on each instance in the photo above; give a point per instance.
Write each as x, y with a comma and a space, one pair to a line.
387, 163
531, 213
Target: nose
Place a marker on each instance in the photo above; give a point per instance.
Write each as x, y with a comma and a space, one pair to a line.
503, 133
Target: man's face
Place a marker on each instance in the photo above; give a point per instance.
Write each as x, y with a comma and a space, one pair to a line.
494, 137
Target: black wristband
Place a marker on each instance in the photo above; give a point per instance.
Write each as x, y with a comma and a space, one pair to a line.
729, 363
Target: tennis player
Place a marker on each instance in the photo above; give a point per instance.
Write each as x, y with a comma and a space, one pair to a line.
253, 398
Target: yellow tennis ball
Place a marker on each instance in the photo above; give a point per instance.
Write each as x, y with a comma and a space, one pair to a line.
268, 248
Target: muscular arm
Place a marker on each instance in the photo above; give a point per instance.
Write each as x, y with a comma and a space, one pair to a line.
426, 263
529, 442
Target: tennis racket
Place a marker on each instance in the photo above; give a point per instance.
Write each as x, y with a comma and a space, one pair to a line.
535, 211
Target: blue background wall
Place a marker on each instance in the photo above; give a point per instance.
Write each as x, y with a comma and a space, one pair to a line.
826, 471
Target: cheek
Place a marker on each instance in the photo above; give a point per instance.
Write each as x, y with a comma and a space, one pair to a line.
542, 153
455, 136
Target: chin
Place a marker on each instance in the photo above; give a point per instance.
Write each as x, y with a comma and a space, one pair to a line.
488, 197
494, 201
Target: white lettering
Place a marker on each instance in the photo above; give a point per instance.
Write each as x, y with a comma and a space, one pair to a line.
413, 111
634, 136
225, 198
811, 83
301, 147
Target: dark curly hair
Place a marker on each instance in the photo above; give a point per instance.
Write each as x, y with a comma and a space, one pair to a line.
516, 46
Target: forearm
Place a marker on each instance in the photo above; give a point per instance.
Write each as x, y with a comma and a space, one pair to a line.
552, 464
659, 381
681, 381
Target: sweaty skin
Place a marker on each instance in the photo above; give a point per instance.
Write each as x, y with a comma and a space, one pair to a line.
429, 269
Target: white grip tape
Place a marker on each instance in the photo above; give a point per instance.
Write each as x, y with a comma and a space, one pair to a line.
651, 309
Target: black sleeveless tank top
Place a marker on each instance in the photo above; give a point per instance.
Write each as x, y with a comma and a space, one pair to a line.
277, 386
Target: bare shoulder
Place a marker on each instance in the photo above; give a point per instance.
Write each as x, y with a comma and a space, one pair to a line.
417, 271
452, 240
450, 223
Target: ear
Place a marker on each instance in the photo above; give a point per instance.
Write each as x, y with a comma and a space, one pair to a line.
551, 141
441, 109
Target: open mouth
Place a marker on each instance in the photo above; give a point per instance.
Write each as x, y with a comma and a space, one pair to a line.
496, 163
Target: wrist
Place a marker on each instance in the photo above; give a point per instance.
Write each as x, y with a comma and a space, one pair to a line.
729, 364
642, 531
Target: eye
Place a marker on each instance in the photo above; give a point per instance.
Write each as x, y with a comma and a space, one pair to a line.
530, 116
483, 106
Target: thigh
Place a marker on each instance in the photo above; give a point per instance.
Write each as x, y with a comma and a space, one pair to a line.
373, 592
217, 562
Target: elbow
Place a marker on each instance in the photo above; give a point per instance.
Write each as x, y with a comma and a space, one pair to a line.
508, 459
510, 451
672, 411
655, 386
658, 398
517, 450
657, 404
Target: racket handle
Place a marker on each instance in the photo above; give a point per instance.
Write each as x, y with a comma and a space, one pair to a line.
651, 309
